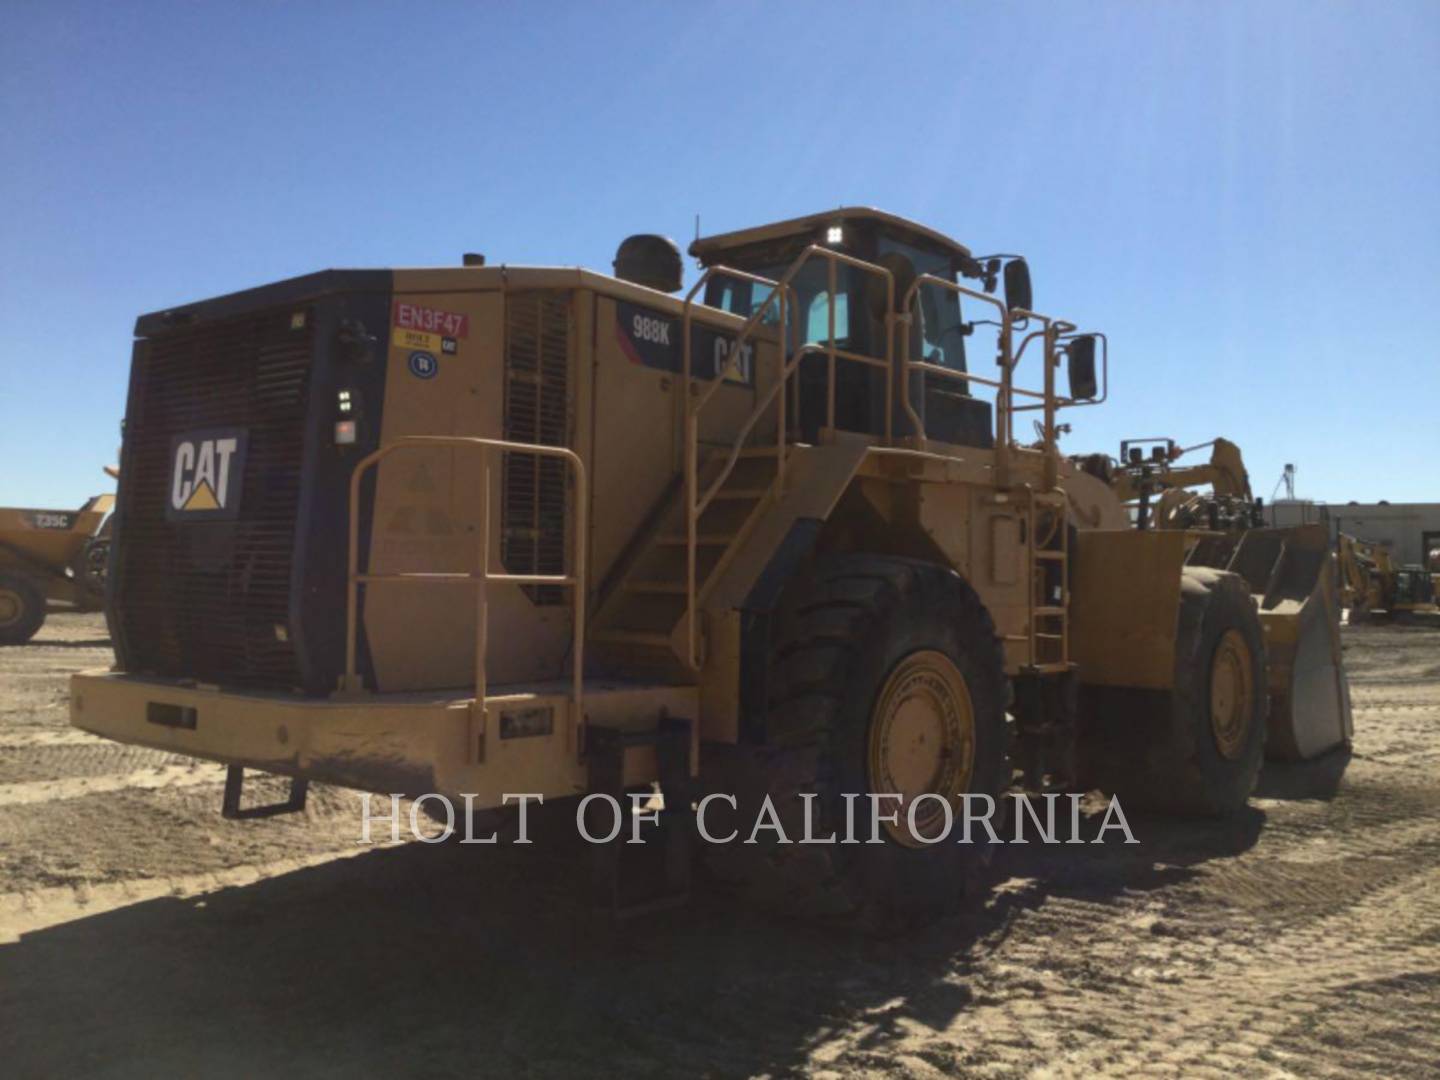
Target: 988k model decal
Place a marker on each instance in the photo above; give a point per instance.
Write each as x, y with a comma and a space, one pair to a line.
647, 337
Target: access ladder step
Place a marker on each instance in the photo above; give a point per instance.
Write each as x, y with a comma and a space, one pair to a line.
1057, 556
1050, 611
234, 785
626, 880
701, 540
630, 636
737, 494
662, 588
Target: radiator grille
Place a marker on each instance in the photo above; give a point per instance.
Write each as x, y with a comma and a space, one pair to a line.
210, 599
537, 410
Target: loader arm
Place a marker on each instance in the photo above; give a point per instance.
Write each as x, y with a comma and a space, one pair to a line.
1225, 472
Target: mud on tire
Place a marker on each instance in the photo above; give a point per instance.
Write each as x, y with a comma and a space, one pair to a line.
1163, 750
842, 630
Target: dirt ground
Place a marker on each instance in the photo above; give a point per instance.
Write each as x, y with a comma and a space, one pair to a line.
141, 934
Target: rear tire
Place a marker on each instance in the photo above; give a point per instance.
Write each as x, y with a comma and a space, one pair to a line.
1197, 748
22, 609
887, 675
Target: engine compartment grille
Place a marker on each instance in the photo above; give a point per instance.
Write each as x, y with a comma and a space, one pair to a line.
537, 410
210, 600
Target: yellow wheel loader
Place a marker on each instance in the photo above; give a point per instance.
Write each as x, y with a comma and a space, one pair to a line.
50, 557
491, 529
1161, 494
1375, 586
1289, 571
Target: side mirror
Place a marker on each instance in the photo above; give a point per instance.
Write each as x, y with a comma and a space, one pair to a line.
1081, 354
991, 273
1017, 285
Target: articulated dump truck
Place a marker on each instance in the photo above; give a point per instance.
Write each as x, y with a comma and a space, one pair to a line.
490, 530
48, 557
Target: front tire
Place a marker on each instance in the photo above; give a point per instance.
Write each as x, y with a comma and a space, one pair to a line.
1197, 748
887, 678
22, 609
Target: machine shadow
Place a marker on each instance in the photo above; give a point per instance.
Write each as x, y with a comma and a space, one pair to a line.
75, 643
1320, 778
443, 959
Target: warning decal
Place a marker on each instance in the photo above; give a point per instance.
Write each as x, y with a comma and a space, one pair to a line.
414, 339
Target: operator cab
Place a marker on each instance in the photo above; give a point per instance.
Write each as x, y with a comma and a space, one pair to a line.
949, 410
1413, 586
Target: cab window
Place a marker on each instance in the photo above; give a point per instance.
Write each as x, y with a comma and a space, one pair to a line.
739, 297
817, 326
941, 339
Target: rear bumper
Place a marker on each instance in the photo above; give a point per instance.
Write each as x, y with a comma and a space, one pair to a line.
407, 744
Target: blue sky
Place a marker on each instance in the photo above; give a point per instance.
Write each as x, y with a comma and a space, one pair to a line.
1245, 196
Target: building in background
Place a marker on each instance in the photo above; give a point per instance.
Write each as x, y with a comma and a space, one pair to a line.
1284, 513
1409, 530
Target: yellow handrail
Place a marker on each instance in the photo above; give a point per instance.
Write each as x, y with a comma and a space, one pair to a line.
1005, 384
575, 580
782, 295
1008, 360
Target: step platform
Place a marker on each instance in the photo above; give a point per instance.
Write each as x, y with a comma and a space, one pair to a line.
525, 740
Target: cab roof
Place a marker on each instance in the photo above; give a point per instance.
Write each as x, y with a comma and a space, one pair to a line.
903, 227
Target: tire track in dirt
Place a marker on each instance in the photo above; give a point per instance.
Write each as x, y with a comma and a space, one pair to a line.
30, 792
1272, 990
88, 757
27, 911
77, 811
1307, 945
123, 832
1315, 952
64, 737
1143, 986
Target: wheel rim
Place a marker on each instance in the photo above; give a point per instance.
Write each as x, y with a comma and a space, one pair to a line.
922, 741
11, 607
1232, 683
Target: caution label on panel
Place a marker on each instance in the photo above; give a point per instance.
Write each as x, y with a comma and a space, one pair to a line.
427, 329
414, 339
